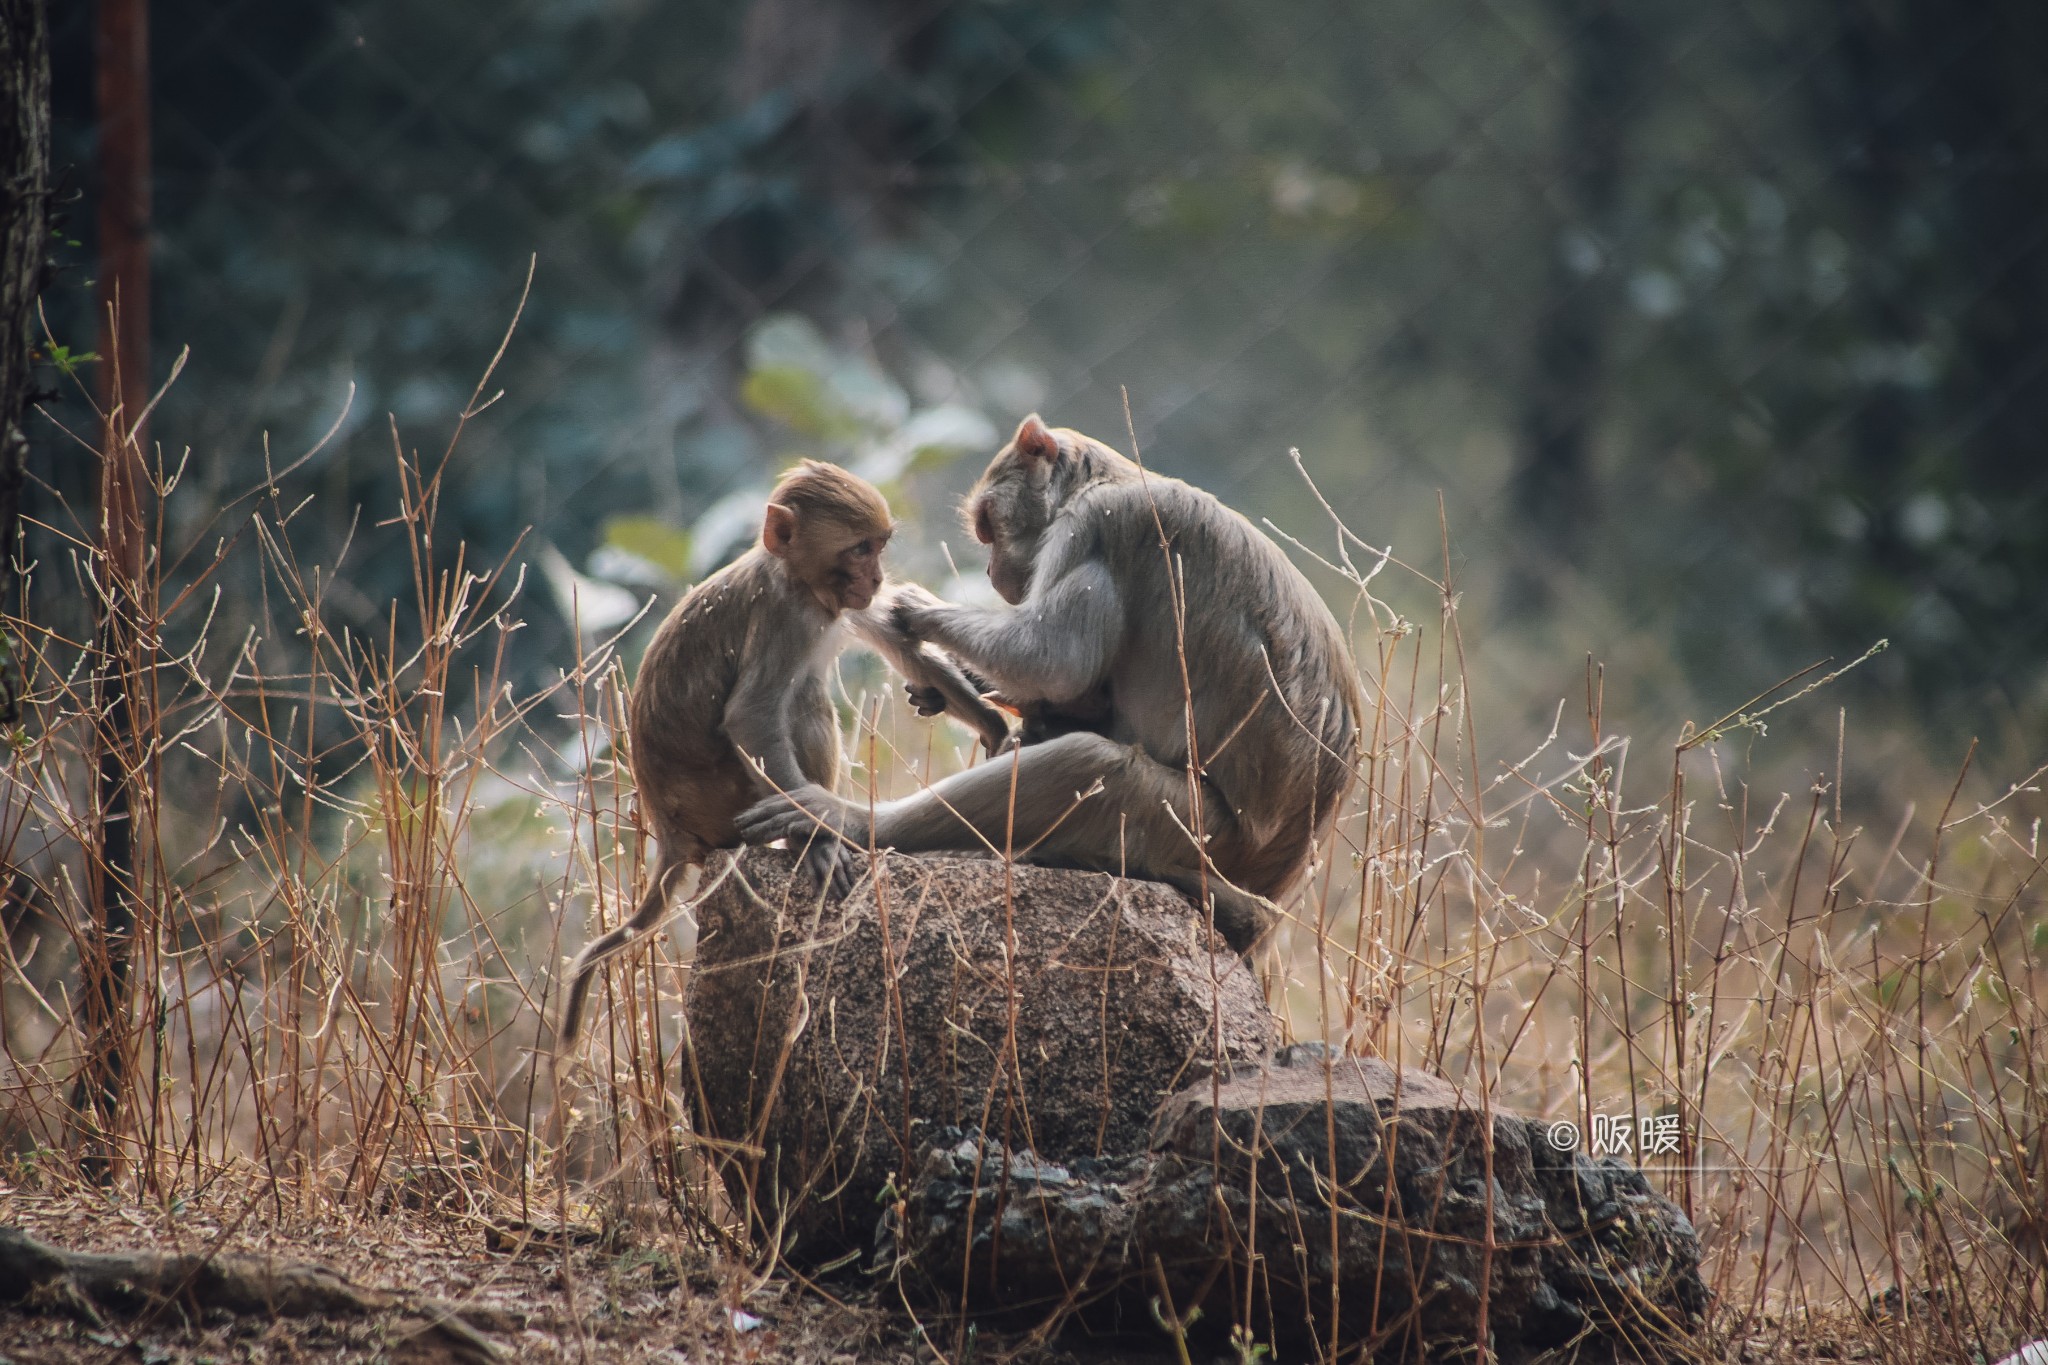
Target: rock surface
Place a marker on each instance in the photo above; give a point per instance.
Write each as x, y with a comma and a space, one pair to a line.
1337, 1197
1053, 1010
1053, 1092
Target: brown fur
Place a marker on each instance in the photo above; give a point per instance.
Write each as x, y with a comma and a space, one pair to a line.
1099, 558
731, 705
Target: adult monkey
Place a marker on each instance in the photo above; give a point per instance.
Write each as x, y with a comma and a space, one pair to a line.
1199, 627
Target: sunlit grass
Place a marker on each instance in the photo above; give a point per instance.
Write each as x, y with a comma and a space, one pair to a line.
360, 861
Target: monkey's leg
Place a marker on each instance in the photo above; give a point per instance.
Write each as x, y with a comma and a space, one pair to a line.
936, 682
1138, 822
958, 695
814, 735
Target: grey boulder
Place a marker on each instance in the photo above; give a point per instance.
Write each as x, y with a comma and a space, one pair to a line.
1320, 1202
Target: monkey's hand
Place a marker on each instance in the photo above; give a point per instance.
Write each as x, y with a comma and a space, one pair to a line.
917, 615
926, 701
931, 701
830, 863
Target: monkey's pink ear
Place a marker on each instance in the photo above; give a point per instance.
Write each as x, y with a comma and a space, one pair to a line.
778, 529
1035, 441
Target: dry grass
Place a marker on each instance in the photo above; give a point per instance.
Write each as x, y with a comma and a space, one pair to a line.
358, 859
1843, 1033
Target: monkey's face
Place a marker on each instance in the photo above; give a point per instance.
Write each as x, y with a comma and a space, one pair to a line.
1010, 520
1012, 505
855, 572
834, 555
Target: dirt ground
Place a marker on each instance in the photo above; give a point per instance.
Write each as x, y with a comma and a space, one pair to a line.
646, 1293
636, 1296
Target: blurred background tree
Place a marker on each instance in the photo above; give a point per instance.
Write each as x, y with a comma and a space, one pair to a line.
1720, 329
24, 253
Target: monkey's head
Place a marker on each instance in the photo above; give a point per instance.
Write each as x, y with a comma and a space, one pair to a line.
1017, 497
829, 528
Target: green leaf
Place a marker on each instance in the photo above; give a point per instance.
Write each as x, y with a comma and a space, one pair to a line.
798, 378
930, 439
67, 364
789, 341
652, 539
796, 398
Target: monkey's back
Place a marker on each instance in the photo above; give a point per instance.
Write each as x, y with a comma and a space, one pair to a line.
690, 777
1275, 691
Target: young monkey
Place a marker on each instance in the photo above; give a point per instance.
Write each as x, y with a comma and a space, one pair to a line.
730, 705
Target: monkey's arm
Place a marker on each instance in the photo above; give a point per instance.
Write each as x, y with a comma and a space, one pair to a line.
758, 722
927, 669
1053, 646
758, 718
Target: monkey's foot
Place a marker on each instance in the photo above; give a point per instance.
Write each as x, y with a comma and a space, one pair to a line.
811, 819
1241, 917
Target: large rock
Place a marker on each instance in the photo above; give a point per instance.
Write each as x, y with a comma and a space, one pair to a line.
1053, 1010
1314, 1198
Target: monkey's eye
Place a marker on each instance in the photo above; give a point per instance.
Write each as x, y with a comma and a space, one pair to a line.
983, 530
864, 549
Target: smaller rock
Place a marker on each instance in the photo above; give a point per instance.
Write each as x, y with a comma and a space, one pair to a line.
1356, 1195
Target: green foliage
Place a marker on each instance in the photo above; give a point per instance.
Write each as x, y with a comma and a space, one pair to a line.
795, 377
796, 398
1813, 420
1249, 1350
66, 361
651, 540
844, 407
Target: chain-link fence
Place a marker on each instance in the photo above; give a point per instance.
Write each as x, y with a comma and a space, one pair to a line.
1704, 339
1719, 330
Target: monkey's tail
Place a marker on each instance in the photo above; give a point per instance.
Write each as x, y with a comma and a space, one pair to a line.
651, 912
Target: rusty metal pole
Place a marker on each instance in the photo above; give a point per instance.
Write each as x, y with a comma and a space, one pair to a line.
121, 85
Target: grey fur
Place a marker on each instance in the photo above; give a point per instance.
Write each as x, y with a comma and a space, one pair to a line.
1098, 557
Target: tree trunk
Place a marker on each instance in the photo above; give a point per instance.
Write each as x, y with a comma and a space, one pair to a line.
1553, 492
1934, 115
24, 234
